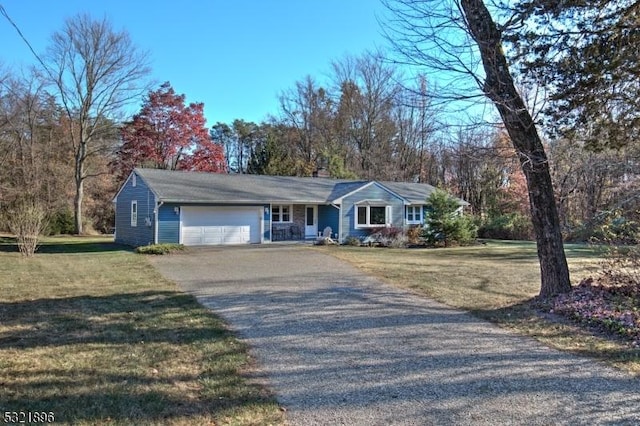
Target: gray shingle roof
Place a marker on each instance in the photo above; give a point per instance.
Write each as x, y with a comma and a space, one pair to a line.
415, 193
198, 187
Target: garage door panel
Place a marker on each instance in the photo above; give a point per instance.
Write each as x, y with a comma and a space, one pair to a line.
191, 236
234, 234
220, 225
213, 235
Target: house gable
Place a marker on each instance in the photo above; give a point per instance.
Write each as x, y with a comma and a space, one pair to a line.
139, 230
364, 187
132, 182
371, 194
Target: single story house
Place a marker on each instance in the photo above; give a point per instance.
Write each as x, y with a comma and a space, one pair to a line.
194, 208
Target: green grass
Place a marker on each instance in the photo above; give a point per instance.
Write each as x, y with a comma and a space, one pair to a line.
91, 332
497, 281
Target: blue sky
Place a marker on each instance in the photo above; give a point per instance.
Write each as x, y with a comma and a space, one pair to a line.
236, 56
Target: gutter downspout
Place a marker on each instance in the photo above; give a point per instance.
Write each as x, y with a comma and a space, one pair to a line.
155, 219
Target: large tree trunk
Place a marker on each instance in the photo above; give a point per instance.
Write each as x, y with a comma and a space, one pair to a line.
499, 87
79, 181
77, 207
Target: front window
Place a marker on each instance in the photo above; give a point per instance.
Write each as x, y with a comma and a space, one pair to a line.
281, 214
362, 215
134, 213
372, 216
377, 215
414, 214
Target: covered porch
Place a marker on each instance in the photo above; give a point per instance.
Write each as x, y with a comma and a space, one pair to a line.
302, 221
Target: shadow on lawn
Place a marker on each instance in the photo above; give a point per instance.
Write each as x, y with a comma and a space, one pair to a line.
9, 245
132, 358
116, 319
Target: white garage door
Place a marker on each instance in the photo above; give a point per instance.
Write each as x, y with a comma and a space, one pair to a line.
220, 225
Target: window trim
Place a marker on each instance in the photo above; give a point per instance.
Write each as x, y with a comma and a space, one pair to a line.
420, 212
134, 180
134, 213
279, 208
368, 224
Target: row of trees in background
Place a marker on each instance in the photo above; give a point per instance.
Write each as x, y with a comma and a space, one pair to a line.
38, 160
365, 123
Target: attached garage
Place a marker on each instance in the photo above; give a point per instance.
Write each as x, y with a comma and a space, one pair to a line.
220, 225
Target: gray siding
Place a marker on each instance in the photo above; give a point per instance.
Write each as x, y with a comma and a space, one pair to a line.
169, 224
371, 192
142, 234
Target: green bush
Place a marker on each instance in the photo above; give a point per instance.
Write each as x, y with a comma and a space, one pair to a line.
164, 248
465, 230
455, 230
511, 226
616, 229
444, 224
61, 222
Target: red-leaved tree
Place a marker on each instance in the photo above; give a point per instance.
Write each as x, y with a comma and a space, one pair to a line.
167, 134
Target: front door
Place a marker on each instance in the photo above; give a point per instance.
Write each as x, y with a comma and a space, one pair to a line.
311, 221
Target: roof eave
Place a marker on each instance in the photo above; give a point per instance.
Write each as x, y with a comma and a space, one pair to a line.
243, 202
372, 182
139, 176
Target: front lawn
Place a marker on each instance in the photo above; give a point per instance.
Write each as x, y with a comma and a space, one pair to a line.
497, 281
91, 333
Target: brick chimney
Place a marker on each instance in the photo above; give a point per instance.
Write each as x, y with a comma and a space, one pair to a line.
321, 168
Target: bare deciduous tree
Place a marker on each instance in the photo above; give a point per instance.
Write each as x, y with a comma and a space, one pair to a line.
308, 109
97, 71
368, 91
415, 142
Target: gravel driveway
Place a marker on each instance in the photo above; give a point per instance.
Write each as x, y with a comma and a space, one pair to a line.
339, 347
